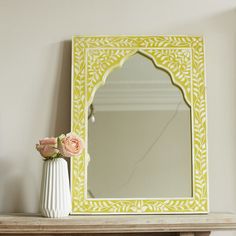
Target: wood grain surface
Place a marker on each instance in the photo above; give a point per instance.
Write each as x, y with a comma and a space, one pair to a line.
186, 225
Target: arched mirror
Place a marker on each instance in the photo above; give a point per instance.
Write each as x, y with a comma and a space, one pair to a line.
139, 135
138, 103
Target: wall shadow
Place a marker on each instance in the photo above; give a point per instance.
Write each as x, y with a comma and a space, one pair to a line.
63, 103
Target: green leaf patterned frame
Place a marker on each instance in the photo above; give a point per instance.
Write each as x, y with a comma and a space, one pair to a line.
183, 57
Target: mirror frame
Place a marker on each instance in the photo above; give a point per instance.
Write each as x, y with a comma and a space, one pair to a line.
93, 58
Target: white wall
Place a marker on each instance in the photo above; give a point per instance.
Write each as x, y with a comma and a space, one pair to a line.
35, 73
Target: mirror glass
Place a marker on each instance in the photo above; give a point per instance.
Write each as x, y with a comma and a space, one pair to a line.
140, 140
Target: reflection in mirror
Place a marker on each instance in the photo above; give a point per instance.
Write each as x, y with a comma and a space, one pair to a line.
139, 135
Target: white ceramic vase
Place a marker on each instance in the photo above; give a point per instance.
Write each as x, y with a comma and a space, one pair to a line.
55, 189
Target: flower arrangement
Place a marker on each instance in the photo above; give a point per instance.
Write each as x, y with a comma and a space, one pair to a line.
63, 146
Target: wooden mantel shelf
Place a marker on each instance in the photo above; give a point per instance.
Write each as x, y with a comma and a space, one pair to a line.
30, 224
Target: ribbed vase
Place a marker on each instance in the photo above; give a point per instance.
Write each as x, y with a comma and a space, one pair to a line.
55, 189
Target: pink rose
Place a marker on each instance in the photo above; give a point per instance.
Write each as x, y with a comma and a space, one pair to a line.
70, 145
47, 147
48, 141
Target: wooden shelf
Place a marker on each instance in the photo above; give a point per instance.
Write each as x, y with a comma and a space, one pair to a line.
32, 224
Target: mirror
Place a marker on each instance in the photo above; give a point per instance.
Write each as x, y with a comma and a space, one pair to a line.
140, 142
146, 152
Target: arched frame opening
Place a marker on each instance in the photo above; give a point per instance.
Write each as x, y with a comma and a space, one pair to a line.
183, 58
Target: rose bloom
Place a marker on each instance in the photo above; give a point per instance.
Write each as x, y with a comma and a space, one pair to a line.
47, 147
70, 145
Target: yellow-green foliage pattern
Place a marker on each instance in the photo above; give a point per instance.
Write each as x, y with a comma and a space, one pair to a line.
183, 58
